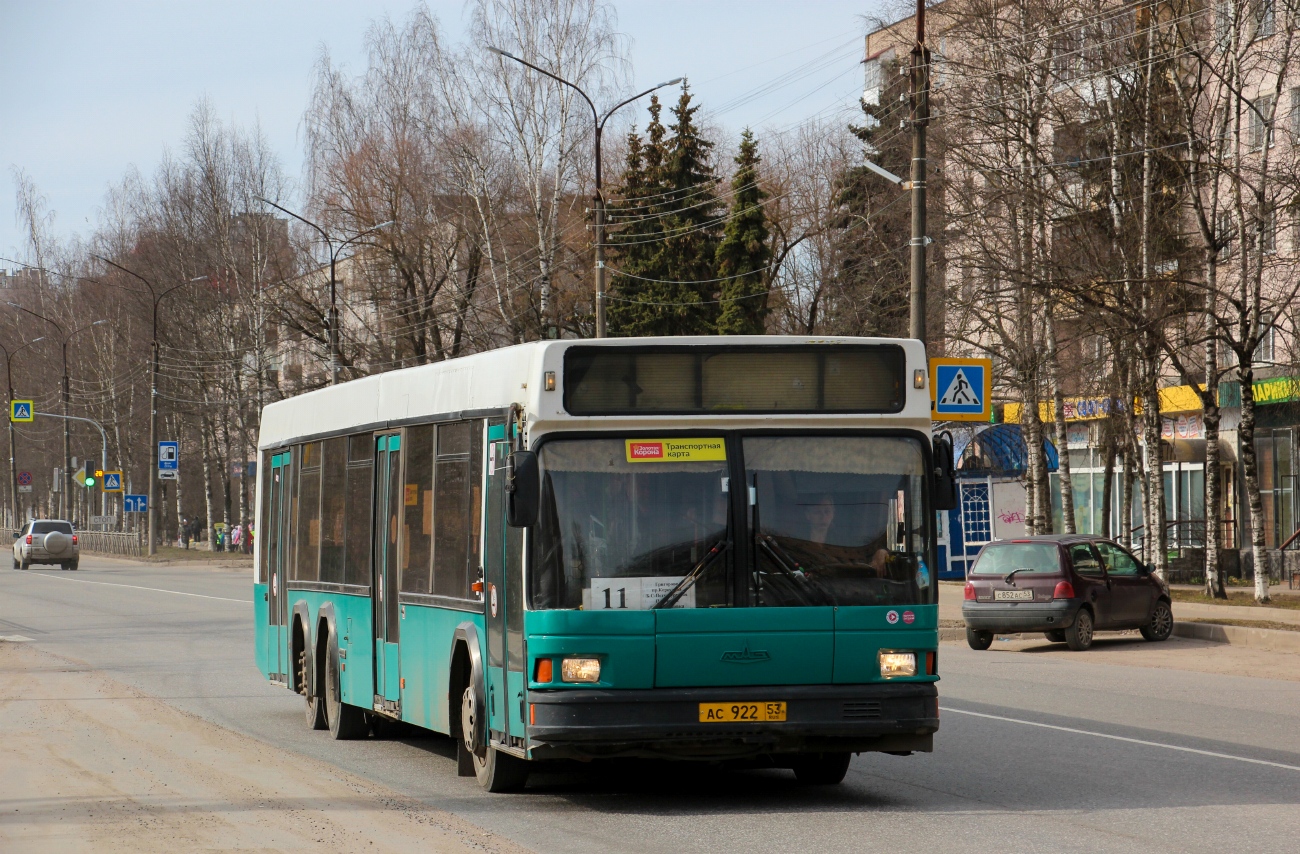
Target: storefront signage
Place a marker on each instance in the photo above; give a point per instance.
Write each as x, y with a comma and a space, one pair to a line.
1183, 427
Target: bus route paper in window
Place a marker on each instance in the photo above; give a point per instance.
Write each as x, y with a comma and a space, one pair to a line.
675, 450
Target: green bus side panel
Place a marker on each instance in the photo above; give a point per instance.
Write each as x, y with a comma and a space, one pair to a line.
427, 634
861, 632
261, 631
353, 616
515, 704
744, 646
624, 642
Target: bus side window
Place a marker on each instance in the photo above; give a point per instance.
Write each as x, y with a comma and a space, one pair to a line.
356, 525
453, 487
333, 503
417, 506
307, 563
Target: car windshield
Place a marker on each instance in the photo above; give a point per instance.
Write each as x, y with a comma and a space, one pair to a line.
51, 527
643, 523
1002, 558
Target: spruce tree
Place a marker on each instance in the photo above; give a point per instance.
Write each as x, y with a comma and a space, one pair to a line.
745, 252
665, 231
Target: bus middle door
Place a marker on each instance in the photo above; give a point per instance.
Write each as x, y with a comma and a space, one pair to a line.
388, 525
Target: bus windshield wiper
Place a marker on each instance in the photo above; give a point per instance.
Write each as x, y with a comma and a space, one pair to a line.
791, 569
679, 590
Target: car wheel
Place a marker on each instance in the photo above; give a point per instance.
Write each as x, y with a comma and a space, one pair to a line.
346, 722
15, 563
821, 769
74, 565
496, 771
25, 565
1055, 636
1079, 635
979, 639
1161, 625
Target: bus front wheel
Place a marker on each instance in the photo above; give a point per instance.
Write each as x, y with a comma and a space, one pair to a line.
496, 771
821, 769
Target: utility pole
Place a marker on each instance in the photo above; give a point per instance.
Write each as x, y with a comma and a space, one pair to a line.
920, 79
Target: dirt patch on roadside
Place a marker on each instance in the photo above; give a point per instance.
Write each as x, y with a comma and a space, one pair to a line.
90, 764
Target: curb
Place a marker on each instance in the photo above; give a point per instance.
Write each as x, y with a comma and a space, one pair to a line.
1276, 640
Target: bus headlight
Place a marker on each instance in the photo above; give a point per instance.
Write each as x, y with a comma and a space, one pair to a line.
894, 663
582, 670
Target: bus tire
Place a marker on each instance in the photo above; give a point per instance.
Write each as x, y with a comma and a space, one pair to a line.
821, 769
346, 722
314, 706
496, 771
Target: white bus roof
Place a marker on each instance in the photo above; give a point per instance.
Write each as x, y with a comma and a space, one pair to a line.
489, 382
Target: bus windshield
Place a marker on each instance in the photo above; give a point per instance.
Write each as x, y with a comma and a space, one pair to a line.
833, 520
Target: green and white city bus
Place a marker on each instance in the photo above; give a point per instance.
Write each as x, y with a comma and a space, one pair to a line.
693, 548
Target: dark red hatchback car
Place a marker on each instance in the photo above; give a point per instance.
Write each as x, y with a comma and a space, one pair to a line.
1066, 586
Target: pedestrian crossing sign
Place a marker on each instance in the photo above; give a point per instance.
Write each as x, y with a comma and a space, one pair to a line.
21, 410
113, 481
961, 389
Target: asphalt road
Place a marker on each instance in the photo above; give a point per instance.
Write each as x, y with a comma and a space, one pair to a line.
1035, 752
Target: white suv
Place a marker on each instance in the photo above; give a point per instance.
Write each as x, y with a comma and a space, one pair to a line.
46, 541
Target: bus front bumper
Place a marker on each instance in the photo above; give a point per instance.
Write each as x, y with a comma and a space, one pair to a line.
665, 722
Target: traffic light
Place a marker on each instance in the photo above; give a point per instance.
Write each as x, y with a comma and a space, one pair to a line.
87, 474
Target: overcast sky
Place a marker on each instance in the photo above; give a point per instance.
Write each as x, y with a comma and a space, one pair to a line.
88, 89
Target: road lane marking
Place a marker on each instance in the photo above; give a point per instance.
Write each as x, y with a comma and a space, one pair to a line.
137, 587
1124, 738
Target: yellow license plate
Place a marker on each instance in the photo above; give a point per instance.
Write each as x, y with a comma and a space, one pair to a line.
713, 713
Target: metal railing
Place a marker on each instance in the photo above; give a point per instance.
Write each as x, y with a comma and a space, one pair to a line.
97, 542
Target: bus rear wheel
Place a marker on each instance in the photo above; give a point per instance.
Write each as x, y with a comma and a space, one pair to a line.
496, 771
821, 769
315, 708
345, 722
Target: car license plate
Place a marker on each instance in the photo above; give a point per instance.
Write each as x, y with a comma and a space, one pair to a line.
1013, 595
713, 713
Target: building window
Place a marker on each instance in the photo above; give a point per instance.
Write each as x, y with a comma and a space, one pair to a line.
1261, 122
1268, 231
1265, 18
1267, 339
1223, 21
1295, 113
1226, 232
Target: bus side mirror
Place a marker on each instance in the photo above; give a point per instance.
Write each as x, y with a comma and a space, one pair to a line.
523, 489
945, 474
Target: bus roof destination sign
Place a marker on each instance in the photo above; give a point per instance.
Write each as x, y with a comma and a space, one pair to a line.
961, 389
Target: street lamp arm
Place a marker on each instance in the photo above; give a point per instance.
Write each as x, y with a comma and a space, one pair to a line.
624, 103
595, 116
322, 232
39, 316
362, 234
153, 292
180, 285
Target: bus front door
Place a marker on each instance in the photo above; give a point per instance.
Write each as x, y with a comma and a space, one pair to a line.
504, 596
388, 526
277, 544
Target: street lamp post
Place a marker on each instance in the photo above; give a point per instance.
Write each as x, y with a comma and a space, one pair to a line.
333, 317
13, 449
598, 201
153, 397
65, 502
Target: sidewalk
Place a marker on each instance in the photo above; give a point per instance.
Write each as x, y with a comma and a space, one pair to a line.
950, 593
